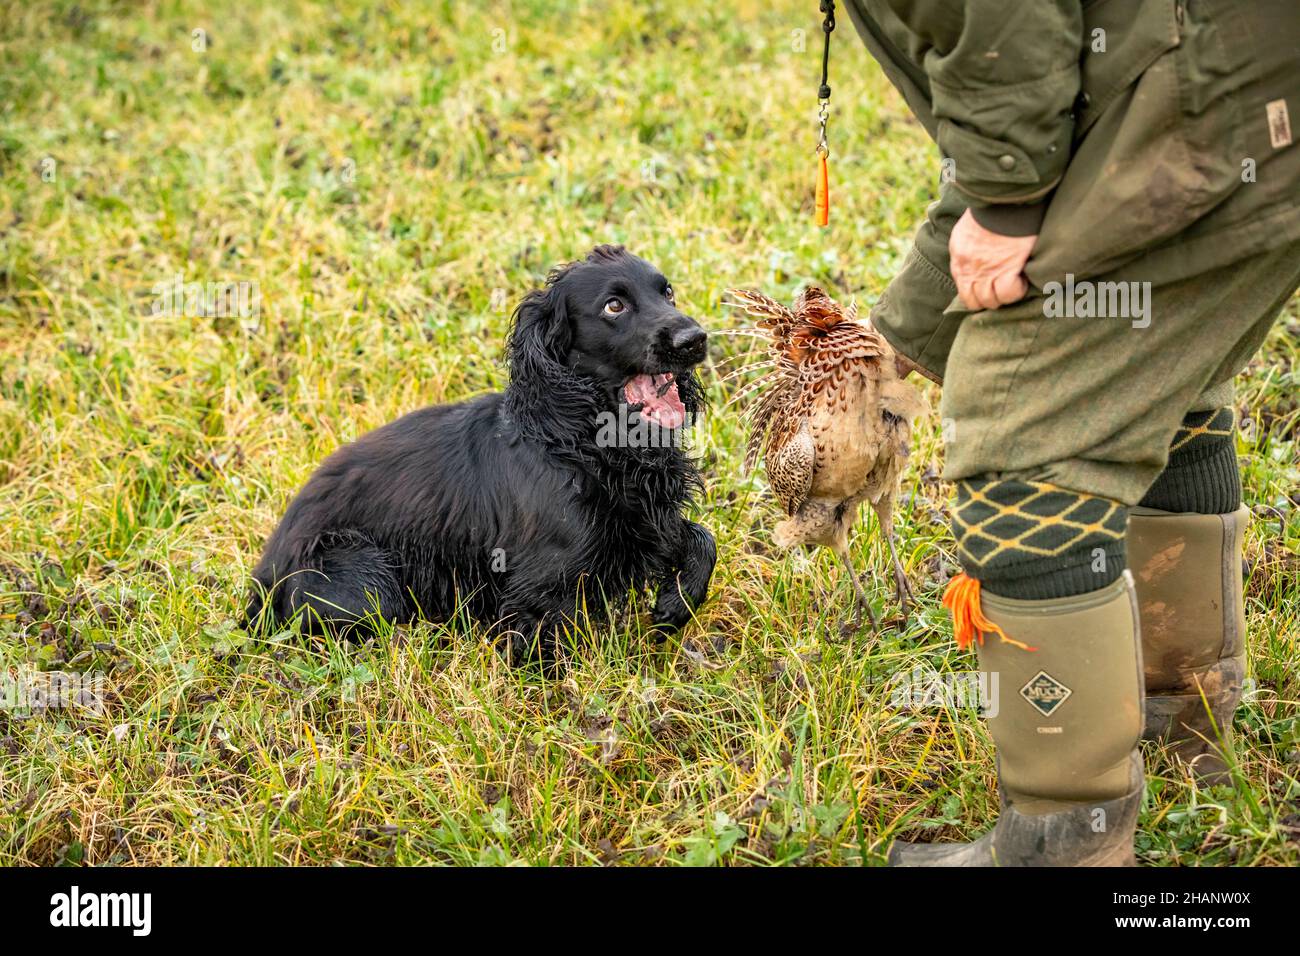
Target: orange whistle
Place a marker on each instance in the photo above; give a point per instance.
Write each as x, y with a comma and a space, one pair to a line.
823, 192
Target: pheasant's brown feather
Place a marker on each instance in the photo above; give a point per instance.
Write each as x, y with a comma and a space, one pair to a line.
790, 467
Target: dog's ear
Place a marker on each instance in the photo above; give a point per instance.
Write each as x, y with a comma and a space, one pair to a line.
540, 335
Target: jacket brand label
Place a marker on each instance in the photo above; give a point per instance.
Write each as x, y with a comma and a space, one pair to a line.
1279, 124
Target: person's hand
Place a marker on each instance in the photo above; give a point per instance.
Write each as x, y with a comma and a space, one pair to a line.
987, 267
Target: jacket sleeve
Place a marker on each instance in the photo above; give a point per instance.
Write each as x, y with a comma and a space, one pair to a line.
1003, 81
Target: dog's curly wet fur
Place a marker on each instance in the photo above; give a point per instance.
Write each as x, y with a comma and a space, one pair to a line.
509, 505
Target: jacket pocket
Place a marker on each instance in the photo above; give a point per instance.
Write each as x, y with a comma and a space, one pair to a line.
1161, 154
1120, 40
1213, 63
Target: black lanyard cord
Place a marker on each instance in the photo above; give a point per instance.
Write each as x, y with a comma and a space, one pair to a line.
828, 27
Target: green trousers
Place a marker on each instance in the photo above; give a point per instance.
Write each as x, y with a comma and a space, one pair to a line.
1079, 385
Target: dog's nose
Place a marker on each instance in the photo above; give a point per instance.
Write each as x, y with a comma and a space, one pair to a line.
690, 339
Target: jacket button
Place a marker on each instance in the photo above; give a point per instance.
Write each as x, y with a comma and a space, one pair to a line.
1007, 161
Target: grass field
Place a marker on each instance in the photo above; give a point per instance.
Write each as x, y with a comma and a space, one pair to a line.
392, 180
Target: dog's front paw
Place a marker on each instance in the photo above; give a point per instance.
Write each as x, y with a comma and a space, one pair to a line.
670, 612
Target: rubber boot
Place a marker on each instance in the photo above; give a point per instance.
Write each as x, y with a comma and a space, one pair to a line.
1187, 570
1068, 715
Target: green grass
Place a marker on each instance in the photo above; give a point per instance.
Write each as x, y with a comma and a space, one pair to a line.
393, 183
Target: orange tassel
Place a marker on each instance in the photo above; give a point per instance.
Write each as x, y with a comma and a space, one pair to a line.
962, 598
823, 191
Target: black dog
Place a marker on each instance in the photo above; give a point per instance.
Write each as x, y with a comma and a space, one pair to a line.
517, 505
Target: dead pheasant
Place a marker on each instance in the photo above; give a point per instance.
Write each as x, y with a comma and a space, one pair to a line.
833, 423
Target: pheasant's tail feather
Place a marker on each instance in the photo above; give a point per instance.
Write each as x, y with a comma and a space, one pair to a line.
772, 316
751, 387
784, 374
756, 303
762, 416
754, 448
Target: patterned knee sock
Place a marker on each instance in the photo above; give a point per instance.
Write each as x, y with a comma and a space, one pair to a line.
1202, 474
1031, 540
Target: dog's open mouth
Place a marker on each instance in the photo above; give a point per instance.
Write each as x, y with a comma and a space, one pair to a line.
657, 397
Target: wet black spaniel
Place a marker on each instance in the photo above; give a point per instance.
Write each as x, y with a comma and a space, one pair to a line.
517, 505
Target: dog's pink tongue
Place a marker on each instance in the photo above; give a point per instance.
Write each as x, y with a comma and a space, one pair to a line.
666, 410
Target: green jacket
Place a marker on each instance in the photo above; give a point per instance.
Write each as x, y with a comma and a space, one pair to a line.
1158, 135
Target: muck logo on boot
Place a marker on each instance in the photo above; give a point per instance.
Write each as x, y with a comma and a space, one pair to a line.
1045, 692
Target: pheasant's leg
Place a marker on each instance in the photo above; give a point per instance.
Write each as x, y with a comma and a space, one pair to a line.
860, 596
902, 587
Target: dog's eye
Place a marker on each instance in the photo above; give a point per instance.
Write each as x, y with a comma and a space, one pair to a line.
669, 295
614, 306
